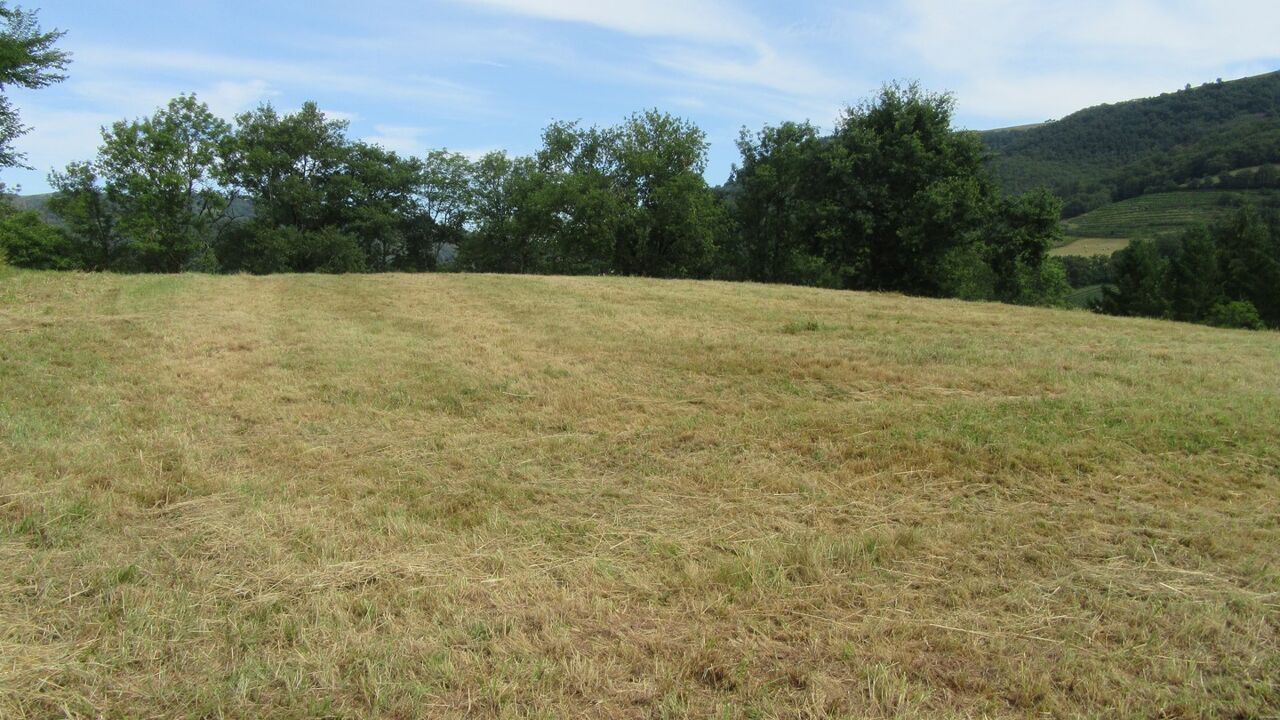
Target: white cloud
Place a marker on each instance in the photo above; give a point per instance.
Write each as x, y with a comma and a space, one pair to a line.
694, 19
1041, 60
227, 98
403, 140
298, 76
709, 49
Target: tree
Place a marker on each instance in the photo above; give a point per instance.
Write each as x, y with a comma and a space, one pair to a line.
1249, 244
658, 163
384, 210
27, 241
1139, 282
446, 201
314, 191
28, 59
89, 216
164, 173
577, 202
1025, 227
289, 166
910, 191
1194, 281
1235, 314
893, 200
778, 201
504, 236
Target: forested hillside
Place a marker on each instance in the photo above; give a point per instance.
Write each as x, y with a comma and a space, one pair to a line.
1221, 135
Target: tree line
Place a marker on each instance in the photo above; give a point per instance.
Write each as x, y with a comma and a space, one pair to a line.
1226, 275
892, 199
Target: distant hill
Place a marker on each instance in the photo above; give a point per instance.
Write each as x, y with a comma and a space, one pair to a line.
240, 207
39, 203
1219, 135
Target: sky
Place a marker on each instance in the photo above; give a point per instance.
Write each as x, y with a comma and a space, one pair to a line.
480, 75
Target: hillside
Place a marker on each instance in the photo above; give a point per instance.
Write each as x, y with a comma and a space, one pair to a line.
1164, 213
239, 207
467, 495
1123, 150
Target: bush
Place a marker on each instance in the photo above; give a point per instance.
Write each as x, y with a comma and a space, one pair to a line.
27, 241
1236, 314
263, 249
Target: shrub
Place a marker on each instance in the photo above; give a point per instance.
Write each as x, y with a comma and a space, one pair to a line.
1236, 314
27, 241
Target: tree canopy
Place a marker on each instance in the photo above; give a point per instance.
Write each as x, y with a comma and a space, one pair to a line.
29, 58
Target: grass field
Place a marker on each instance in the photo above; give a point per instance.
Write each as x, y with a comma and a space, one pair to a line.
1084, 296
1161, 213
1089, 247
449, 495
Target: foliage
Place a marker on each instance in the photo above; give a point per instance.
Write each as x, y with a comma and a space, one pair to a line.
1223, 276
29, 59
1139, 282
629, 199
503, 238
27, 241
1235, 314
778, 200
1086, 270
893, 200
89, 217
163, 174
313, 191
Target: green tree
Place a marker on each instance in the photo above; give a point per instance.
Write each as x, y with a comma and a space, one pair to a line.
27, 241
315, 191
1194, 282
164, 174
383, 209
893, 200
504, 237
289, 166
446, 201
1235, 314
28, 59
1139, 283
89, 216
1024, 228
1250, 261
577, 203
778, 201
658, 164
910, 191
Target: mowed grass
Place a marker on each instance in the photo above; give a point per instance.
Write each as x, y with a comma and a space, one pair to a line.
1160, 213
1088, 247
448, 495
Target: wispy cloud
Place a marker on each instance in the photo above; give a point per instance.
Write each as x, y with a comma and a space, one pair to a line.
490, 73
401, 139
694, 19
1004, 57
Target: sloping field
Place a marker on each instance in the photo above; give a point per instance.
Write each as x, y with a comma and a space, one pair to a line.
449, 495
1089, 247
1160, 213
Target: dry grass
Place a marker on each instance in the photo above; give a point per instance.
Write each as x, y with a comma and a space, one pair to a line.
409, 496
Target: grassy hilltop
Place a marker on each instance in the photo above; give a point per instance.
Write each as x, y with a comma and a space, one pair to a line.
447, 495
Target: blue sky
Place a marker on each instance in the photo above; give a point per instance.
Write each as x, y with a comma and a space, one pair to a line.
475, 75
